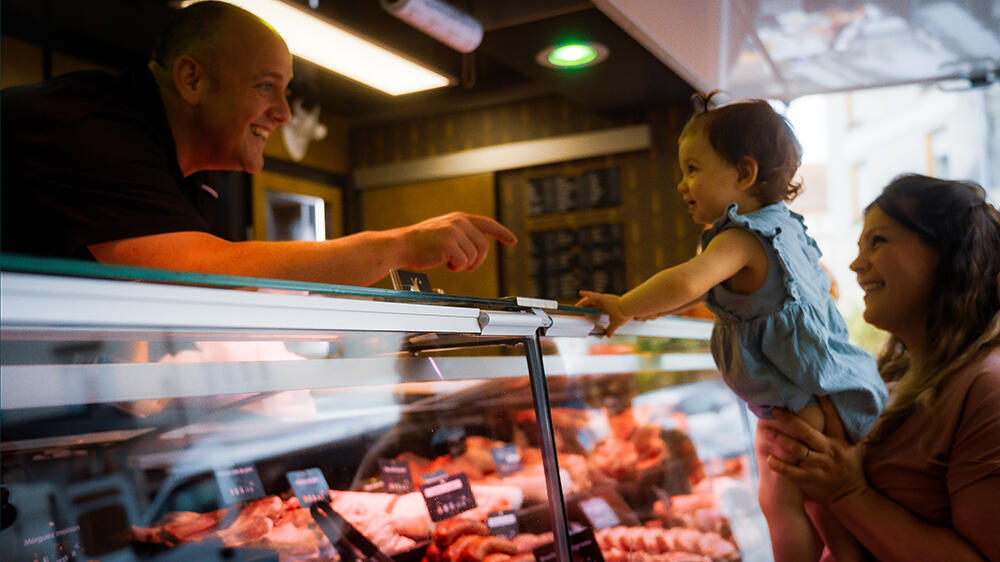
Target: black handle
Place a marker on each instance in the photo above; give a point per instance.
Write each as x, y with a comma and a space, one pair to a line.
344, 537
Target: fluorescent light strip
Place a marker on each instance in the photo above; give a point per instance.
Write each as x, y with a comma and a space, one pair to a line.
341, 51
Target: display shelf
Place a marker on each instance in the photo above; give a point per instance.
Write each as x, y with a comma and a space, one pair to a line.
618, 364
44, 301
151, 385
34, 386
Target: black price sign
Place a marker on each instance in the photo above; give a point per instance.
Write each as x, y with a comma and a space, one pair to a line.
396, 476
239, 484
599, 513
448, 497
309, 485
403, 280
507, 459
582, 546
503, 524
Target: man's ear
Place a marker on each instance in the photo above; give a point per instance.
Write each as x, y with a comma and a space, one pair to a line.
746, 169
189, 79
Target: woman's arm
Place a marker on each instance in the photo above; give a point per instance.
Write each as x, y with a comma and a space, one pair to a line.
891, 532
832, 473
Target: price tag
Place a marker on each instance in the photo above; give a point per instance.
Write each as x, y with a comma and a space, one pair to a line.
432, 477
507, 459
403, 280
599, 513
309, 485
448, 497
503, 524
373, 484
239, 484
582, 546
396, 476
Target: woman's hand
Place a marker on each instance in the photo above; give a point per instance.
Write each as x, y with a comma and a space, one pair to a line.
610, 304
822, 464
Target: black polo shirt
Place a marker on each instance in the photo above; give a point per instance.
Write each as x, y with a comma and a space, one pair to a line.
88, 157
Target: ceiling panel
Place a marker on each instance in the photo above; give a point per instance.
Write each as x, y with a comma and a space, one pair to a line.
788, 48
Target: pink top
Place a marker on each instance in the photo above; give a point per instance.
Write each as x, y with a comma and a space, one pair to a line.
967, 418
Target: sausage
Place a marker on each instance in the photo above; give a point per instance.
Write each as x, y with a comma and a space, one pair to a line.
433, 553
449, 530
497, 557
477, 552
456, 551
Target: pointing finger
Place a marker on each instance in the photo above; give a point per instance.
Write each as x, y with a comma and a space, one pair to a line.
493, 228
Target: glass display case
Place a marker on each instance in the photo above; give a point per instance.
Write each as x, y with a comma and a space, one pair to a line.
150, 415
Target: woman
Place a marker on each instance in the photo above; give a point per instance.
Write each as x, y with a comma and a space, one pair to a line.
925, 484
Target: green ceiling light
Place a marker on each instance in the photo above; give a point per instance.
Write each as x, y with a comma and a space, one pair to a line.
572, 55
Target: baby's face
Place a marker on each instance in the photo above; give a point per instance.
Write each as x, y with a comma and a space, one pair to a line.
709, 184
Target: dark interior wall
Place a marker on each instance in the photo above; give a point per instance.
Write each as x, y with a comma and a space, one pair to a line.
658, 231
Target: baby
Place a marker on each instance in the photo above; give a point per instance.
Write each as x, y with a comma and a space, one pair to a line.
778, 339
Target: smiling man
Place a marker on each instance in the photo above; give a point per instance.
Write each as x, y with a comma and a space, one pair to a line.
109, 168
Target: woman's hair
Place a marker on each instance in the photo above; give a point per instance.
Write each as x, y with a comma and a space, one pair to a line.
963, 310
752, 128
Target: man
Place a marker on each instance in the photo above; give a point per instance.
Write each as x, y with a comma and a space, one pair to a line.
107, 168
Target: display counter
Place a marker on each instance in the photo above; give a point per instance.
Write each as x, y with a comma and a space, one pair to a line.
151, 415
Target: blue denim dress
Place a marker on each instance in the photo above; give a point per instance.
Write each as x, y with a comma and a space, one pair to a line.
786, 343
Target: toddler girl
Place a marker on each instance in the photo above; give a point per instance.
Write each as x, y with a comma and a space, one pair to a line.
778, 339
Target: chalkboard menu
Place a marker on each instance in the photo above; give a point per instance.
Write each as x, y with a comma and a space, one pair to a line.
566, 260
593, 189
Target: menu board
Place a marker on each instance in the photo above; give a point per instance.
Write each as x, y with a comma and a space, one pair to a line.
566, 260
593, 189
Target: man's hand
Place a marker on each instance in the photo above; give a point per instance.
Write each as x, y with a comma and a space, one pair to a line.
610, 304
460, 240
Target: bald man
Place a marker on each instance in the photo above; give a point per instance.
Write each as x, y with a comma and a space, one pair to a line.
109, 168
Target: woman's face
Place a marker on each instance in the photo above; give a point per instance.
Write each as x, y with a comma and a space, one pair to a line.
895, 269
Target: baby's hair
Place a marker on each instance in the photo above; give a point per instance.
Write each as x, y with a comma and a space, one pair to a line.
751, 128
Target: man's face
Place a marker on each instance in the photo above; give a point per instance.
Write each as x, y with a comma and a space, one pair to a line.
246, 100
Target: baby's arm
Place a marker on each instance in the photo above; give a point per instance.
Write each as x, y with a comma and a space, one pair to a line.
678, 287
726, 255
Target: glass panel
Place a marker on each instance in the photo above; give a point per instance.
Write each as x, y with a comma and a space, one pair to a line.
655, 451
79, 268
789, 49
120, 444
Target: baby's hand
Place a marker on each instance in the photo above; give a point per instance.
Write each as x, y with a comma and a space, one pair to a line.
610, 304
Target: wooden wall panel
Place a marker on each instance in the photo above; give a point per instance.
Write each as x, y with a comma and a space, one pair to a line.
475, 128
397, 206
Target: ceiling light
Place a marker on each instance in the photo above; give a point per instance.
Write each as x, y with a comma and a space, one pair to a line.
334, 48
572, 55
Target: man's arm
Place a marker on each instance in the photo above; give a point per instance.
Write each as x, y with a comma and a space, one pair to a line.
459, 240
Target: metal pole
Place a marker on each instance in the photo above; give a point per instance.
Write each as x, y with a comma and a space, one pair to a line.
540, 393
